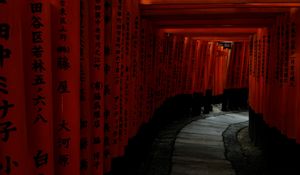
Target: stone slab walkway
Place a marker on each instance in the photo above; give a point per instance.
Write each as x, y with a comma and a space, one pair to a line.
199, 147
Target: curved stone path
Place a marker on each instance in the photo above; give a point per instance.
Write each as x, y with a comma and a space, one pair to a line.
199, 147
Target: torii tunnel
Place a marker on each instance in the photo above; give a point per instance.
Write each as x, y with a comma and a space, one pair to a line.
81, 79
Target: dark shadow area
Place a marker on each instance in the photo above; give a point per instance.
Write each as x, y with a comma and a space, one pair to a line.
257, 149
235, 99
282, 154
150, 151
138, 156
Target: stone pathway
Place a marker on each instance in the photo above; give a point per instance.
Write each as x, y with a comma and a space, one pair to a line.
199, 147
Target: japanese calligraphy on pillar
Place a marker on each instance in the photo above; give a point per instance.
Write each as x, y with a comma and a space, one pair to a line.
123, 64
97, 83
292, 56
117, 56
129, 27
144, 50
259, 55
245, 65
85, 96
282, 49
251, 46
278, 46
290, 74
121, 138
13, 138
108, 91
255, 55
40, 87
148, 35
268, 57
263, 52
66, 50
286, 50
126, 73
134, 73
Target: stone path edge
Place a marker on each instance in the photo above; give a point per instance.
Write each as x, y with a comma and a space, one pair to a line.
233, 150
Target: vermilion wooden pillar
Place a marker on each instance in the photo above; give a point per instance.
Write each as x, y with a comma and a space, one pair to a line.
295, 41
124, 132
85, 92
285, 71
268, 76
66, 85
14, 159
292, 84
136, 66
37, 39
113, 38
97, 68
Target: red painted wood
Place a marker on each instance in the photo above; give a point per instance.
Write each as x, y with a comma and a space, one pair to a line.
66, 85
39, 92
14, 157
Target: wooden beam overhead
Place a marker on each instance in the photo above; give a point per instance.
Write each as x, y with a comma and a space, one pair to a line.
227, 23
240, 16
263, 2
216, 38
228, 35
276, 6
211, 30
210, 11
215, 13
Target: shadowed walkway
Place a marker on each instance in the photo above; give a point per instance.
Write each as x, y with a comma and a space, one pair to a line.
199, 147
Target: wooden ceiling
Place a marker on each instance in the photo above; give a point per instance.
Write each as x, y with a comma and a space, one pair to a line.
202, 17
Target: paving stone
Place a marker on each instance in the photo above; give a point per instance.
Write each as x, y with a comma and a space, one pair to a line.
199, 147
